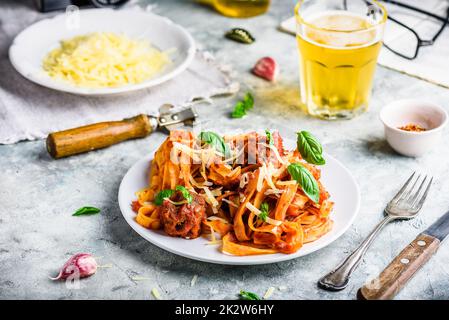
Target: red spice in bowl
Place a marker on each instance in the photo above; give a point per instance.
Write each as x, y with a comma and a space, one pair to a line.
412, 128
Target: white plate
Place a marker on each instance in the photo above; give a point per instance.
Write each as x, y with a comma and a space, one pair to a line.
335, 177
31, 46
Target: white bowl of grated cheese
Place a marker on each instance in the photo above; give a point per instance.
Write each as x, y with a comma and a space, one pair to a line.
33, 45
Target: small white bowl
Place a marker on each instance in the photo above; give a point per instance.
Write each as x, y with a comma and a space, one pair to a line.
409, 111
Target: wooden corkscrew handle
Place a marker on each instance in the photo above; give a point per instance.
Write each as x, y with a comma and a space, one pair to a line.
401, 269
99, 135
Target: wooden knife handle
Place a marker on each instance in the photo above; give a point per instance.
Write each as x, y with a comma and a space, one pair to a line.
401, 269
96, 136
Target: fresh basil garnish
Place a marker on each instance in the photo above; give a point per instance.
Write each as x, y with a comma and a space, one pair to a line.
185, 193
216, 141
270, 139
306, 180
246, 295
264, 208
86, 211
310, 148
242, 106
163, 194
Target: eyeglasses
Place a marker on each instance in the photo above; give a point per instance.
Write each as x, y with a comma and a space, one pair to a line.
410, 43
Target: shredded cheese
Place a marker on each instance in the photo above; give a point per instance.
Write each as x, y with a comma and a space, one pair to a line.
233, 172
269, 293
275, 192
261, 177
214, 242
269, 175
211, 199
212, 235
156, 293
230, 203
193, 281
212, 218
199, 185
104, 59
265, 173
139, 278
276, 152
176, 203
286, 183
256, 211
236, 156
216, 192
192, 153
244, 179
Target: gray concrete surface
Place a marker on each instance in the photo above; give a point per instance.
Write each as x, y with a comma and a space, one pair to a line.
38, 194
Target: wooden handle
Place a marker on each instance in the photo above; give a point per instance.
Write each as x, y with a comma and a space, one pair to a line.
401, 269
96, 136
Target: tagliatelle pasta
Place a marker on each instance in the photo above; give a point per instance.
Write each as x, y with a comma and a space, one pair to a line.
249, 197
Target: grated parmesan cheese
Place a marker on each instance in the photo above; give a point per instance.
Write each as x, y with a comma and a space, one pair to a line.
269, 293
192, 153
216, 192
230, 203
276, 152
156, 293
104, 59
286, 183
193, 281
139, 278
212, 218
265, 173
260, 178
199, 185
212, 235
256, 211
214, 242
244, 179
211, 199
275, 192
236, 156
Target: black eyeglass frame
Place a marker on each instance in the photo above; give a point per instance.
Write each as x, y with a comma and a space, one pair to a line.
420, 42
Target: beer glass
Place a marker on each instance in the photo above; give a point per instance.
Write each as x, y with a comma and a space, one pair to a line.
338, 42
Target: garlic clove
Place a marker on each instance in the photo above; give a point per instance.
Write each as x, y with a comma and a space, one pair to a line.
80, 265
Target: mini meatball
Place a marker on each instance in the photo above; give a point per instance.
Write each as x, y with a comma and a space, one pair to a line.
183, 220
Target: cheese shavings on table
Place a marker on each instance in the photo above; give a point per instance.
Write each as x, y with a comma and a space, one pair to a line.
104, 59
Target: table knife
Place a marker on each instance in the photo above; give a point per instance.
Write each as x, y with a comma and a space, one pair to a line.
407, 263
104, 134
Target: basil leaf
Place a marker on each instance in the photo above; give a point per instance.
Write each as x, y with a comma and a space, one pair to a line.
242, 106
246, 295
86, 211
310, 148
306, 180
270, 139
185, 193
216, 141
264, 208
163, 194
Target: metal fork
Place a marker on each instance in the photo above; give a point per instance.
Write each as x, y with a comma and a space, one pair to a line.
404, 205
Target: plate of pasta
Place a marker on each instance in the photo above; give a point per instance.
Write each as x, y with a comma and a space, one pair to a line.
240, 199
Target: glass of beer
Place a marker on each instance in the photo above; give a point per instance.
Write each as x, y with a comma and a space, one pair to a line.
338, 41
